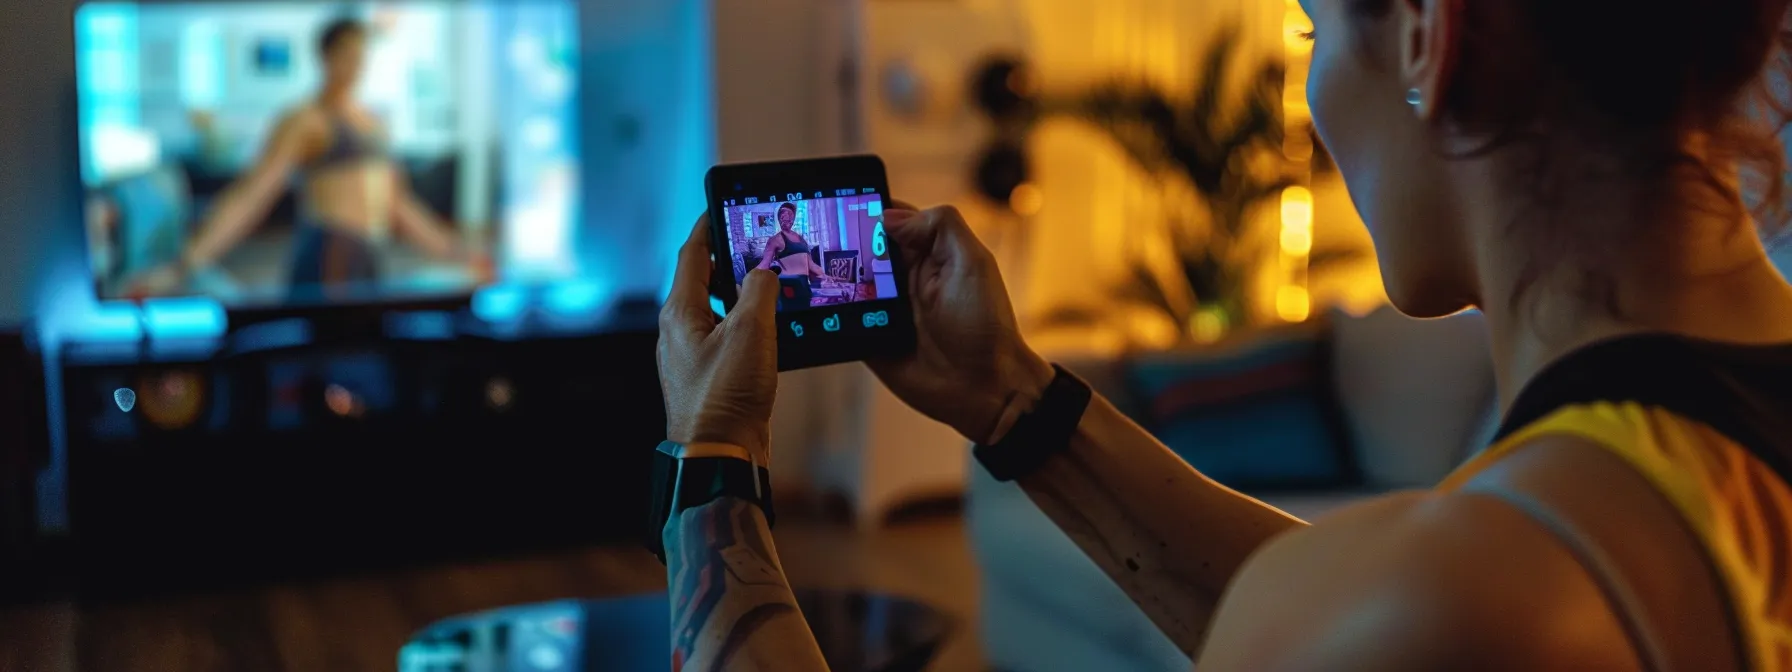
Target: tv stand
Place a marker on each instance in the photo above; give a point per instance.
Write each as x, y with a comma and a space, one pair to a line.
296, 445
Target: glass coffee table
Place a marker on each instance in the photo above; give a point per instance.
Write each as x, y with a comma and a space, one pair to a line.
857, 631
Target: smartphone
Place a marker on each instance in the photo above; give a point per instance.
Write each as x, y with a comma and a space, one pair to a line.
819, 225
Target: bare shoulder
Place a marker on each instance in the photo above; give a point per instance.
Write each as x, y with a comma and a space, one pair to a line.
297, 134
1415, 581
305, 117
301, 124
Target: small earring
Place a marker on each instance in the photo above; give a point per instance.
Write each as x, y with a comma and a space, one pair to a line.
1414, 98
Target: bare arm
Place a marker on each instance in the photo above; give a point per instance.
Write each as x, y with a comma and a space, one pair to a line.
422, 227
247, 200
1170, 537
770, 253
733, 609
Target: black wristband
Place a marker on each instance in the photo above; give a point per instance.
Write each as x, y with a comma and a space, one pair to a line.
680, 484
1041, 433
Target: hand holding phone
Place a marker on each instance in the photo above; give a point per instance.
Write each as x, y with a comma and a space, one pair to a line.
719, 379
970, 362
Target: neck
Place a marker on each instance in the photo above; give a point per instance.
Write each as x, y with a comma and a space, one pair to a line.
1703, 275
336, 95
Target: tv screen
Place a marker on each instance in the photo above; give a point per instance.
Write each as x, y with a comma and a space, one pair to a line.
282, 154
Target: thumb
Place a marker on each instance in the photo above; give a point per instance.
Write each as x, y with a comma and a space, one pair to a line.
903, 219
758, 298
910, 230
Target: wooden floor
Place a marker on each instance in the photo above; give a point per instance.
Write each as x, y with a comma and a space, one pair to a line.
358, 623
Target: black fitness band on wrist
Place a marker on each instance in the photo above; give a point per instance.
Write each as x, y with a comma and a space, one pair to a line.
1041, 433
684, 483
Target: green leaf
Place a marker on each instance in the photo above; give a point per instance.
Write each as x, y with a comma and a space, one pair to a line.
1211, 143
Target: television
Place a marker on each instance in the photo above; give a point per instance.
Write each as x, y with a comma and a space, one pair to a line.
303, 155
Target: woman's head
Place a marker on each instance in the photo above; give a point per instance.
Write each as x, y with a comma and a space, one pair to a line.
786, 216
343, 47
1430, 106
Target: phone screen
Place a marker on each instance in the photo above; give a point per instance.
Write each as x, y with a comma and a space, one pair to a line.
827, 246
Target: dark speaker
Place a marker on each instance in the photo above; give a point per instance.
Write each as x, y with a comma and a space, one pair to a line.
1001, 169
1005, 89
24, 439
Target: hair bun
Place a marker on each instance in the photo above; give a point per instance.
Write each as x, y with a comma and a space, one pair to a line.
1652, 60
1729, 42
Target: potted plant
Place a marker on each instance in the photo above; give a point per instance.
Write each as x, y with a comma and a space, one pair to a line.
1226, 149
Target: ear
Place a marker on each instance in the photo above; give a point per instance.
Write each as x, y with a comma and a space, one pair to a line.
1430, 41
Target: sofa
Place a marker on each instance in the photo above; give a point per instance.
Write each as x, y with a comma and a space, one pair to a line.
1307, 418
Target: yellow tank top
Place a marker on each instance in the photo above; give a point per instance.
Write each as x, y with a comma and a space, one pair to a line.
1710, 426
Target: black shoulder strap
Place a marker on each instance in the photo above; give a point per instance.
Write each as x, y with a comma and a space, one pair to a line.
1742, 392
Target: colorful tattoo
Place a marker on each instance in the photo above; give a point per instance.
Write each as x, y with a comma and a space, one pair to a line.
726, 588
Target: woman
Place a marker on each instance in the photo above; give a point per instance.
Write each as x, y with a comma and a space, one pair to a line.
1574, 171
787, 252
352, 195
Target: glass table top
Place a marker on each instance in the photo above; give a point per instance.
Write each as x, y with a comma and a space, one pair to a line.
857, 631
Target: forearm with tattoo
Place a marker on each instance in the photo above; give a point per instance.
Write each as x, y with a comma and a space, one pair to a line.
732, 608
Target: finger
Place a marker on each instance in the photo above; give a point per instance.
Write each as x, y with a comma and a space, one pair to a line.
936, 232
903, 205
690, 282
911, 229
758, 305
954, 234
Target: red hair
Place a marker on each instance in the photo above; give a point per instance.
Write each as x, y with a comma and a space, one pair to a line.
1630, 81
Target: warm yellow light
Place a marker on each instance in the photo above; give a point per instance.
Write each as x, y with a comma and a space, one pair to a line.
1026, 200
1297, 145
1297, 241
1293, 304
1294, 106
1295, 38
1295, 26
1297, 208
1153, 331
1208, 326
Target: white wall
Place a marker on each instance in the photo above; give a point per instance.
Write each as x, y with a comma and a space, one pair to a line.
40, 214
649, 133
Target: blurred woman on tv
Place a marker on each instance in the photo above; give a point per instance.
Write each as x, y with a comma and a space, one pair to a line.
352, 196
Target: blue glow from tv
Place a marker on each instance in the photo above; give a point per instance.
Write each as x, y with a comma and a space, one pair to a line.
115, 321
580, 298
184, 318
500, 303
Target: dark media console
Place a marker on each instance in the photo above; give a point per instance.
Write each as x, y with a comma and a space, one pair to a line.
201, 464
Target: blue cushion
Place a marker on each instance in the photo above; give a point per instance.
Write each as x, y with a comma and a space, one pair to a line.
1259, 418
